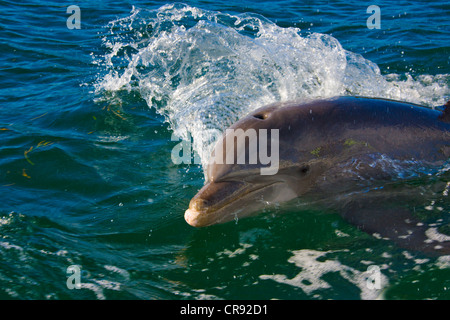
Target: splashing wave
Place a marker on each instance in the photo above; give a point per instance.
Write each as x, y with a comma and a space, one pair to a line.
203, 70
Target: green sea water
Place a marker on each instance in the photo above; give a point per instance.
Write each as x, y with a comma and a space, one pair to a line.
89, 118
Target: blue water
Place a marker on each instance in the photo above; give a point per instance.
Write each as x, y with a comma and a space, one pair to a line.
89, 118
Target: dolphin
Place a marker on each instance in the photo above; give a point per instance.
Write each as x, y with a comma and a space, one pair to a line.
359, 156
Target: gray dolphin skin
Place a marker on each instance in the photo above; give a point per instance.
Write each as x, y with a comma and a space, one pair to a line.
347, 153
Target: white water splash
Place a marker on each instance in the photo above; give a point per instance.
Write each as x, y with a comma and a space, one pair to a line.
203, 70
314, 266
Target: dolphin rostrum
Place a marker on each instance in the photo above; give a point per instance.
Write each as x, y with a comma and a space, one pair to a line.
357, 155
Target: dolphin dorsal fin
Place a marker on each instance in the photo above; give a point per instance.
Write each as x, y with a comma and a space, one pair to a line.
445, 116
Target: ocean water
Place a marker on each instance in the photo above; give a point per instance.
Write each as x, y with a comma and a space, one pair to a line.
89, 117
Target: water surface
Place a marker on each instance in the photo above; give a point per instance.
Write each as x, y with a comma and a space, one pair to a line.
89, 118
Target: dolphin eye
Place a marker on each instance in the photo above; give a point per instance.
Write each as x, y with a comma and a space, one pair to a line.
261, 116
304, 169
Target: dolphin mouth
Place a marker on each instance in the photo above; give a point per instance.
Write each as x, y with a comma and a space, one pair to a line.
215, 214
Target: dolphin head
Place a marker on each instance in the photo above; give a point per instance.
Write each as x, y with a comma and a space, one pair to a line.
258, 173
240, 195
